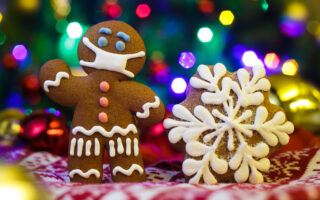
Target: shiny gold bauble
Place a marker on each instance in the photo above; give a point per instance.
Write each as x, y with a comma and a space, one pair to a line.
300, 100
10, 126
16, 184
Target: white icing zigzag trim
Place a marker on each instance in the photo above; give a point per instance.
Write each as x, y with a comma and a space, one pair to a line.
56, 82
86, 174
103, 132
129, 171
146, 108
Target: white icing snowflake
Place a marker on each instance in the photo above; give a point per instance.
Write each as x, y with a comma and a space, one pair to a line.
233, 122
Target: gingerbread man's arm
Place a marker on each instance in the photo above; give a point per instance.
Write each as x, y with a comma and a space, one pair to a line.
143, 103
58, 83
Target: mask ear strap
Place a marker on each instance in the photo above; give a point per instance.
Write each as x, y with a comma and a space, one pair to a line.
136, 55
91, 46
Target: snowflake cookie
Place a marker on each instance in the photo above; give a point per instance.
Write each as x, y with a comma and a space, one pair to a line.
227, 125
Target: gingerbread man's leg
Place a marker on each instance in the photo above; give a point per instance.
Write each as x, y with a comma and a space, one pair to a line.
125, 158
85, 159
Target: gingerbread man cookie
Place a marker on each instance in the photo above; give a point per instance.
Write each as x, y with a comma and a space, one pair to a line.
107, 103
227, 126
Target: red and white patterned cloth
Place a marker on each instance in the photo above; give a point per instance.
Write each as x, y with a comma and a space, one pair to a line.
293, 175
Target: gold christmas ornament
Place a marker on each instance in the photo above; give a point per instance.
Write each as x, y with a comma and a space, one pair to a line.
300, 99
16, 184
10, 126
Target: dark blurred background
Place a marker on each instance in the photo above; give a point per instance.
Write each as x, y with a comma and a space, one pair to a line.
179, 35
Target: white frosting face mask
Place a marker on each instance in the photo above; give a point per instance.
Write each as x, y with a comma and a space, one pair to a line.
109, 61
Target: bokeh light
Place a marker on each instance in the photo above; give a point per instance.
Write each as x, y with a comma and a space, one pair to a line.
187, 59
290, 67
112, 9
14, 100
31, 82
157, 129
61, 8
1, 16
205, 34
297, 11
28, 5
293, 21
313, 27
74, 30
61, 25
3, 38
206, 6
264, 5
249, 58
238, 50
163, 76
226, 17
143, 10
291, 27
9, 61
271, 60
179, 85
19, 52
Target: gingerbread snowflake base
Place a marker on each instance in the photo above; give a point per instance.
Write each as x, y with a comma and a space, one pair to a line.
228, 126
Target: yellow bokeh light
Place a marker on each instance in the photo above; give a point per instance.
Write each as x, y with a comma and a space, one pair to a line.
28, 5
297, 11
302, 104
290, 67
1, 17
226, 17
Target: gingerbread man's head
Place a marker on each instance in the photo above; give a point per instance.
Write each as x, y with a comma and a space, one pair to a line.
112, 46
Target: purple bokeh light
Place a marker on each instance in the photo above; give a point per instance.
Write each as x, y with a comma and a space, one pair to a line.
291, 27
19, 52
187, 59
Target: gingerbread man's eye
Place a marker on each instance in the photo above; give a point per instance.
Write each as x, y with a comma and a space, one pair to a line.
102, 42
120, 46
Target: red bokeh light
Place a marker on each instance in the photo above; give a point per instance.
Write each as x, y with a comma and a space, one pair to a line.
272, 60
113, 9
143, 10
157, 129
206, 6
158, 66
9, 61
31, 82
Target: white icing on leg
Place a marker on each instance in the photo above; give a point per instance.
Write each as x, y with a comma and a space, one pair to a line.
112, 151
120, 148
86, 174
72, 146
129, 171
135, 147
80, 146
103, 132
128, 146
146, 108
96, 147
56, 82
88, 148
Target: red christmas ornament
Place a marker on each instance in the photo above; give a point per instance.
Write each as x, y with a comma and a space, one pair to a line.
43, 131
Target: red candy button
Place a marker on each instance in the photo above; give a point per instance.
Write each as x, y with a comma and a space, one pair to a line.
104, 86
104, 102
103, 117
